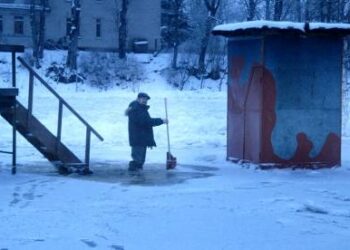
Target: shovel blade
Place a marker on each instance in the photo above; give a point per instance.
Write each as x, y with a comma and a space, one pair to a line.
170, 161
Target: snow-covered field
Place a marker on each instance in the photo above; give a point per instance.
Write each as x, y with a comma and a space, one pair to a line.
206, 203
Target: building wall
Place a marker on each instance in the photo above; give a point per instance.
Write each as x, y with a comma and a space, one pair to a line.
284, 100
144, 23
307, 76
8, 36
90, 11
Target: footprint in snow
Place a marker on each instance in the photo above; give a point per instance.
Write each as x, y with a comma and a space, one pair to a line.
116, 247
89, 243
28, 196
15, 199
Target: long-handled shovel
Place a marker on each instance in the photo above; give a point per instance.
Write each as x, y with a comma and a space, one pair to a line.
170, 159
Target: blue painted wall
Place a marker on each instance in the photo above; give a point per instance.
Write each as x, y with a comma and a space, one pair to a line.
307, 72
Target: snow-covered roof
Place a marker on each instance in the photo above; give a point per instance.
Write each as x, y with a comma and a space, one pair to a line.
262, 27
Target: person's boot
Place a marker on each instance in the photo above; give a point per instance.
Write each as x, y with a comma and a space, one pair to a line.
132, 166
139, 166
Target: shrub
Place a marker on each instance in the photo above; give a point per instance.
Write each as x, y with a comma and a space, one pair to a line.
104, 70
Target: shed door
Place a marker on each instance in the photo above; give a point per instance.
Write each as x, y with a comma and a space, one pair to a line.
244, 99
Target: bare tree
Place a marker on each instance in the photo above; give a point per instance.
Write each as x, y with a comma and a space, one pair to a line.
347, 12
251, 9
307, 16
267, 9
73, 35
212, 8
176, 29
298, 8
123, 28
341, 10
323, 10
37, 16
278, 10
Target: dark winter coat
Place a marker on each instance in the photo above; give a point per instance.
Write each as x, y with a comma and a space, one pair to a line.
141, 125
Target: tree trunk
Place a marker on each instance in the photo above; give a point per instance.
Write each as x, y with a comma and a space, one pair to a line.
123, 29
73, 35
322, 10
298, 10
251, 10
34, 26
307, 11
212, 8
177, 6
42, 29
267, 9
37, 18
204, 46
329, 11
278, 9
175, 55
341, 7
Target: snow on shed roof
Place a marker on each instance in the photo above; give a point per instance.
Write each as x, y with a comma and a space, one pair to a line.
263, 27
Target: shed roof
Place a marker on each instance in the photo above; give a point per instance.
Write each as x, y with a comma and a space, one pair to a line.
263, 27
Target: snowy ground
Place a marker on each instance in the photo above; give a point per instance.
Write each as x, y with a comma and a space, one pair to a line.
206, 203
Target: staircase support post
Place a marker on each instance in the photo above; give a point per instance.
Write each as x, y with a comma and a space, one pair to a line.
13, 53
14, 139
59, 125
87, 148
30, 98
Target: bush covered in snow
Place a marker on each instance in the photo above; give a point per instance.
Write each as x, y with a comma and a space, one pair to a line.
105, 70
176, 77
60, 73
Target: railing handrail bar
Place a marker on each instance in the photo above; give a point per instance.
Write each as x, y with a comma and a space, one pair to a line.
59, 97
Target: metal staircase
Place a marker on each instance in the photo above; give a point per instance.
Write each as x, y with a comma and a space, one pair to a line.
40, 137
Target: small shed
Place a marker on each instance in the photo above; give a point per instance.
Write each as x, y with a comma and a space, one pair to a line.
284, 92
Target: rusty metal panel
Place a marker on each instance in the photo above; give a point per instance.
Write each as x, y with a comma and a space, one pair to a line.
302, 100
244, 99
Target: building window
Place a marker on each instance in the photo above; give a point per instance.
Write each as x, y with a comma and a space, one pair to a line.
98, 28
1, 25
19, 25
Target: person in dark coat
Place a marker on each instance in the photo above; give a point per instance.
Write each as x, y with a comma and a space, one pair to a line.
141, 130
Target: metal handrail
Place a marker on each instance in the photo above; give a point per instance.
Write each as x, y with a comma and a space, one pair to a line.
25, 64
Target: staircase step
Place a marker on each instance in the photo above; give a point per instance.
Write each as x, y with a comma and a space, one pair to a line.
42, 139
75, 165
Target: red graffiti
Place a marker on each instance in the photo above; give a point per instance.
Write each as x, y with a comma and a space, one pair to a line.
252, 118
